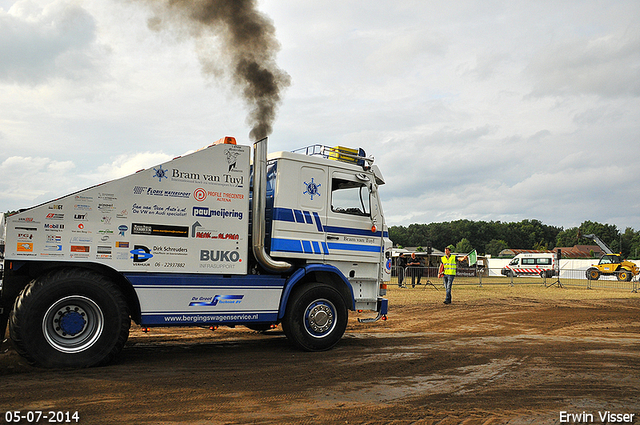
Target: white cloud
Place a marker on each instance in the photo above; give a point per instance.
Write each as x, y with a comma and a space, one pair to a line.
38, 44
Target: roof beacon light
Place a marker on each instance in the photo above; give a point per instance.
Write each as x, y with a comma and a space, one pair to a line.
227, 140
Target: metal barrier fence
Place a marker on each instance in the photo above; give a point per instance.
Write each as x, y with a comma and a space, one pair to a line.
421, 277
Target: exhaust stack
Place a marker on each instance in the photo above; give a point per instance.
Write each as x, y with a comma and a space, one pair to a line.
258, 229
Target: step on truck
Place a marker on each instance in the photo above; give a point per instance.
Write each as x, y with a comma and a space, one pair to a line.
206, 239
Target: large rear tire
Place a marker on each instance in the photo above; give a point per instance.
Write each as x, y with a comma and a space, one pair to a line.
70, 318
624, 275
316, 317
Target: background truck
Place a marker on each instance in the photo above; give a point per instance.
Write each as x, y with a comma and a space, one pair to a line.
205, 239
610, 263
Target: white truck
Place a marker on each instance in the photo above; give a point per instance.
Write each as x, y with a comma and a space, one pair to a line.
296, 239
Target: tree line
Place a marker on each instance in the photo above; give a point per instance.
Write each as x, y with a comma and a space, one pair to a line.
494, 236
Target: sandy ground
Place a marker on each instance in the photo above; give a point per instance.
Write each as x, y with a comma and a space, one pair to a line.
497, 355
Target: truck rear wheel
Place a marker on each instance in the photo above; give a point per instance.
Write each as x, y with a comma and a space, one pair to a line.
593, 274
624, 275
70, 318
316, 317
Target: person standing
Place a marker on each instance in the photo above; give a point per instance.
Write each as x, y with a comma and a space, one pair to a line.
401, 263
416, 269
448, 270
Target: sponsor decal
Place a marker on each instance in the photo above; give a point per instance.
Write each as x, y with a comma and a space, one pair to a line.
312, 188
221, 213
221, 180
218, 299
80, 248
221, 256
103, 249
122, 229
83, 198
149, 191
82, 207
106, 219
198, 233
159, 230
140, 254
54, 239
52, 247
56, 207
82, 217
159, 173
24, 247
55, 216
170, 211
29, 220
26, 229
53, 227
122, 214
232, 158
107, 196
106, 207
81, 240
120, 244
24, 236
199, 194
170, 250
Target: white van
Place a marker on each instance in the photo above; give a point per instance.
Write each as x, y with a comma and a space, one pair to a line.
532, 264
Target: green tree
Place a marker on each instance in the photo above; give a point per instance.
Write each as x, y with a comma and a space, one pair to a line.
495, 246
464, 246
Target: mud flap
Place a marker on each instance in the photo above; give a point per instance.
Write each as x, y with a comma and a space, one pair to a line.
383, 307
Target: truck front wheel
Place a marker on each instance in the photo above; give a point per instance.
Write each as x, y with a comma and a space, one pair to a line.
70, 318
316, 317
593, 274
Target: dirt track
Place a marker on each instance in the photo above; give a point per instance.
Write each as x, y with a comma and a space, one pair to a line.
497, 355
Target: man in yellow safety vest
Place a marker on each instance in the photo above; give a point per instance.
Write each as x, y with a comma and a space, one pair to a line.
448, 270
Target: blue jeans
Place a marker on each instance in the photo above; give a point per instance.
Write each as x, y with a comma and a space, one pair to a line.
448, 282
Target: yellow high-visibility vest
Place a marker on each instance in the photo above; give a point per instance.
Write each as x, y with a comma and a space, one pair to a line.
449, 264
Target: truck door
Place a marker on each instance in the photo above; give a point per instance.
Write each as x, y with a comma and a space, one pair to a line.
300, 212
353, 245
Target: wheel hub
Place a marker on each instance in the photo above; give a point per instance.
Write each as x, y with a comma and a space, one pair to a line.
70, 321
320, 318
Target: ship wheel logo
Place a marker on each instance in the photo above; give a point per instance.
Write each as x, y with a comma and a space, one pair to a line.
312, 189
160, 173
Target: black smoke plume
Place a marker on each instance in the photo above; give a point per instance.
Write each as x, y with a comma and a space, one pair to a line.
244, 38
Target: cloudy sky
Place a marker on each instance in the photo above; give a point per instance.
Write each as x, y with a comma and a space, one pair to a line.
480, 110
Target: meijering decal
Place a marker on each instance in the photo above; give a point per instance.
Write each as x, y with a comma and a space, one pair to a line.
221, 213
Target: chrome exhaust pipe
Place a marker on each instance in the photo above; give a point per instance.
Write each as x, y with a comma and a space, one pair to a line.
258, 227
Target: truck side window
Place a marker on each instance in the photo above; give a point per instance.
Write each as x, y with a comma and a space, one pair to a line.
543, 261
528, 261
349, 197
